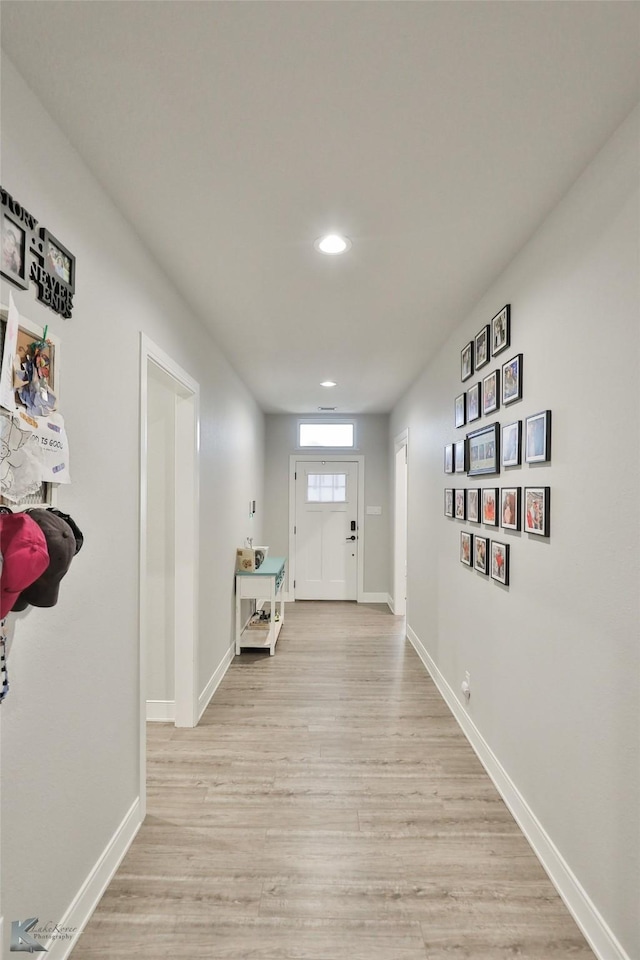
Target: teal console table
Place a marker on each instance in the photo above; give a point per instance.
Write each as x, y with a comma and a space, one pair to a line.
265, 583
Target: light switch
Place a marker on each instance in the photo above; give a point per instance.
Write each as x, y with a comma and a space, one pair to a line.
374, 511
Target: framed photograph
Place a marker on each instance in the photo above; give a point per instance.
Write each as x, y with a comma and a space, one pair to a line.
481, 554
473, 505
501, 330
30, 337
512, 444
483, 352
491, 392
48, 362
483, 447
490, 506
460, 504
461, 410
58, 262
448, 502
500, 562
536, 510
448, 458
461, 456
537, 433
14, 263
512, 380
474, 396
510, 508
466, 548
466, 361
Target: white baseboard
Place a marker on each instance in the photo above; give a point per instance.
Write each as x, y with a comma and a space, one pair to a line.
599, 935
88, 897
161, 711
214, 682
373, 598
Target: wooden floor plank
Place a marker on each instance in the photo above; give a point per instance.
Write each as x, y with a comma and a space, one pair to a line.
327, 807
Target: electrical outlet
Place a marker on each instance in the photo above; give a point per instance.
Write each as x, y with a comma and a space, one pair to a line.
465, 686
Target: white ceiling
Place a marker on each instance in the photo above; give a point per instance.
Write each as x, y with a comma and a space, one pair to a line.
437, 135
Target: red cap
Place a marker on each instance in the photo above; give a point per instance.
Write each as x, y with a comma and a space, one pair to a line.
25, 557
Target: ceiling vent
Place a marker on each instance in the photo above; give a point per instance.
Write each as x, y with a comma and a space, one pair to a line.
327, 409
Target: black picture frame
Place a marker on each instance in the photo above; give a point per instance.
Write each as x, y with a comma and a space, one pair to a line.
482, 354
512, 380
500, 562
512, 444
490, 506
537, 437
474, 402
483, 450
466, 361
473, 505
59, 262
448, 458
491, 392
460, 503
466, 548
481, 554
536, 513
510, 512
460, 456
461, 410
501, 330
449, 494
14, 252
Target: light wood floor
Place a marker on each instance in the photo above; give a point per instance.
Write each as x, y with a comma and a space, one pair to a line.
327, 808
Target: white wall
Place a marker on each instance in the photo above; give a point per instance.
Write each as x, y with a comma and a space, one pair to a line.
161, 491
70, 724
371, 438
554, 659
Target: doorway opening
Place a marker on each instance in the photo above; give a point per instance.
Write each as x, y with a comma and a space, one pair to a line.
400, 525
168, 624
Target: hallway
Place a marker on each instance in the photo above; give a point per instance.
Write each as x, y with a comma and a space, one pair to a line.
327, 808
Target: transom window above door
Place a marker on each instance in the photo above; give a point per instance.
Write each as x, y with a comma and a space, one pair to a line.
315, 433
326, 488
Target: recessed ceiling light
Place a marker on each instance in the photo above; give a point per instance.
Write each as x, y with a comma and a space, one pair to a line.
332, 244
328, 383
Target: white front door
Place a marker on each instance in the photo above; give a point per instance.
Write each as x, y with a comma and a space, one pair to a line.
326, 563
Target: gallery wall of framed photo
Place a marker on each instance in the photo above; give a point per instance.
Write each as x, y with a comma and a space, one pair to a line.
502, 448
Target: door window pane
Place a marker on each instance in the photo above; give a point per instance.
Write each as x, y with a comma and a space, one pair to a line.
326, 435
327, 488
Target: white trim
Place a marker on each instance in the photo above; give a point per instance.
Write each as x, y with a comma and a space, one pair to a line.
186, 581
187, 552
401, 439
391, 606
216, 678
400, 529
161, 711
91, 891
345, 457
373, 598
598, 934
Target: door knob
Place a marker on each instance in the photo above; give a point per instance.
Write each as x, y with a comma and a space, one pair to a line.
352, 538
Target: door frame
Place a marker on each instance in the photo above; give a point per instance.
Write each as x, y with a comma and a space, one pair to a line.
327, 458
187, 547
401, 442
